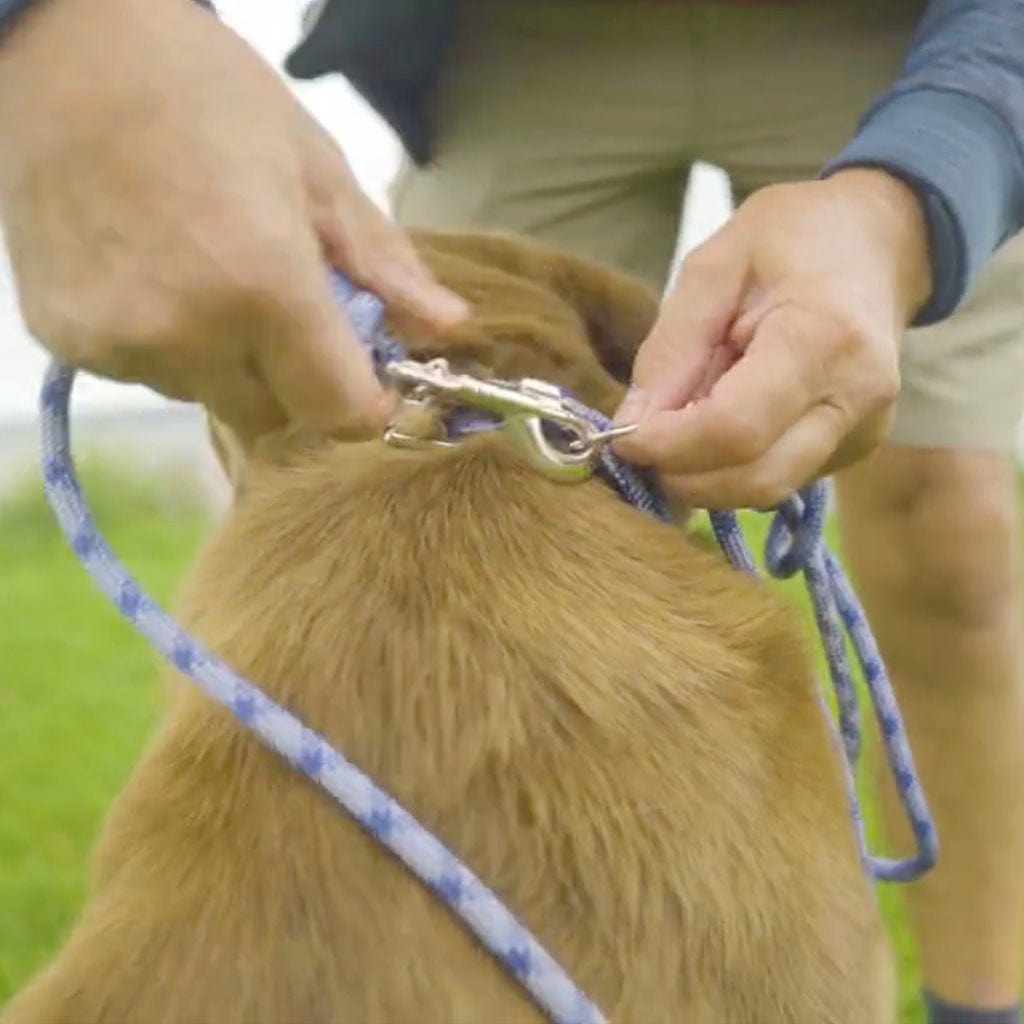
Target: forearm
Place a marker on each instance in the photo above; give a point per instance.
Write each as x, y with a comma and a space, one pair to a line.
952, 127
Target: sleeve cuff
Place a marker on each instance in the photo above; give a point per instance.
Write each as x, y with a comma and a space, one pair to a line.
964, 164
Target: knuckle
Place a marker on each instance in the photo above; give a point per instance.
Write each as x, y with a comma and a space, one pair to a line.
874, 384
852, 350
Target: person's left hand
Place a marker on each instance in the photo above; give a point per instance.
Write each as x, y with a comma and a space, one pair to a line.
776, 355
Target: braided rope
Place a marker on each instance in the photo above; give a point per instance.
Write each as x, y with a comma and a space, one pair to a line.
796, 544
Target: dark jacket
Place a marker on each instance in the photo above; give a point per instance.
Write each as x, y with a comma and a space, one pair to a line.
952, 125
390, 50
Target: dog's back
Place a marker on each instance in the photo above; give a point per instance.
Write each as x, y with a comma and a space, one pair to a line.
615, 730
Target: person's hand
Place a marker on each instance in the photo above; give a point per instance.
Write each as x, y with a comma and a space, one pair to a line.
776, 354
171, 211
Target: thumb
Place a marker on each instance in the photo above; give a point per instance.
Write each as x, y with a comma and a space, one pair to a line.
310, 359
675, 360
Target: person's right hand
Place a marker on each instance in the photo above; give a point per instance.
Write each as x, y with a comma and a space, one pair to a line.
171, 212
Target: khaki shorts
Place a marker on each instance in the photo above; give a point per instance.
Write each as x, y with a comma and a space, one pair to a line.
577, 122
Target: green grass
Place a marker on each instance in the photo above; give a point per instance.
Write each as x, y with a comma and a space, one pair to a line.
79, 695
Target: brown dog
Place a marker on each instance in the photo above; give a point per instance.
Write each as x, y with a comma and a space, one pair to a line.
615, 730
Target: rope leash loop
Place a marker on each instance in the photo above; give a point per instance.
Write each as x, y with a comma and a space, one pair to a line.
796, 544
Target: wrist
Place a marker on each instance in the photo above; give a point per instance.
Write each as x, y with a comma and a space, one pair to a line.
891, 214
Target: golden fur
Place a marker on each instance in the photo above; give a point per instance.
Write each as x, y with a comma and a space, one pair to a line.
617, 731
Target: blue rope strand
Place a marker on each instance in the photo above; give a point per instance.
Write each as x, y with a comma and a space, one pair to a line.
795, 543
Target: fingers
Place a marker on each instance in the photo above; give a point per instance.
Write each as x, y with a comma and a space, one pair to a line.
809, 394
796, 338
748, 409
378, 256
672, 364
314, 366
792, 462
358, 239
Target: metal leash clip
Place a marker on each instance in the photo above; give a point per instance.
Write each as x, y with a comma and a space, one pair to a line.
558, 442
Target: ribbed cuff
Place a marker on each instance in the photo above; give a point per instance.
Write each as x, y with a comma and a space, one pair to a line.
964, 163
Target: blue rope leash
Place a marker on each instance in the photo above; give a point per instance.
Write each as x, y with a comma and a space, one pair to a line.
795, 544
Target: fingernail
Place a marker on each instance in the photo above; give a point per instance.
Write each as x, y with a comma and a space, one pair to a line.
633, 406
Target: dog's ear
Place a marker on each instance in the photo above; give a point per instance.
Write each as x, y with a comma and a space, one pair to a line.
617, 310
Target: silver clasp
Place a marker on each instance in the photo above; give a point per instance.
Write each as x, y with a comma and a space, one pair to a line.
523, 407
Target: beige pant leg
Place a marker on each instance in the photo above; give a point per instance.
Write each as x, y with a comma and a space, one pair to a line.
556, 121
963, 379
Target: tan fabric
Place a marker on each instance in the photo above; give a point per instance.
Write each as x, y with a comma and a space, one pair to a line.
578, 123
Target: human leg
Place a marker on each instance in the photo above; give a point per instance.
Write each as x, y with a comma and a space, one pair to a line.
931, 530
931, 536
549, 125
931, 523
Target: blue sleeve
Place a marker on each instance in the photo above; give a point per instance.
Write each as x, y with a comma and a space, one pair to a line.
952, 127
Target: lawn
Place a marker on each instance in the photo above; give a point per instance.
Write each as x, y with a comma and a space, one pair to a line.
78, 697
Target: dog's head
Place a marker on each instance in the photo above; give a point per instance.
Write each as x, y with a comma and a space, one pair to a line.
537, 312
